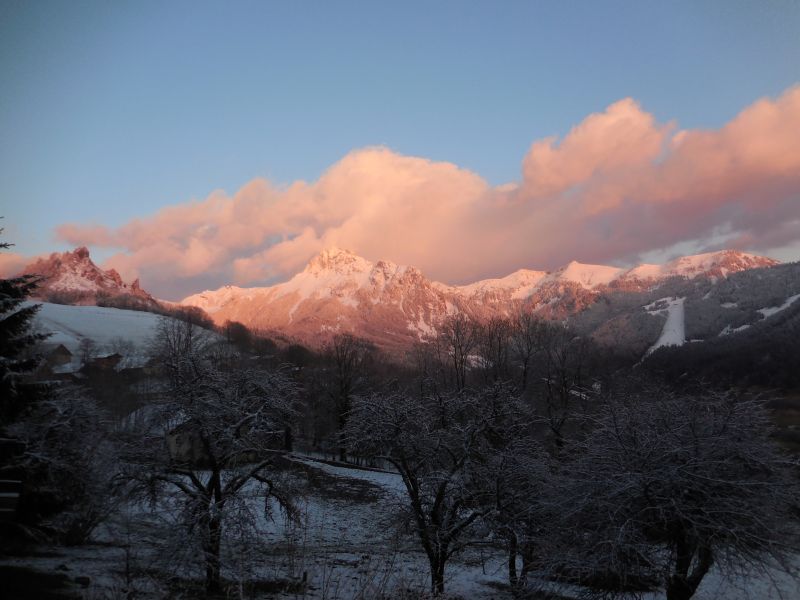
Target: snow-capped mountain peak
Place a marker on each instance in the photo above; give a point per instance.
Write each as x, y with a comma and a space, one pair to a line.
717, 263
337, 260
73, 277
711, 264
588, 276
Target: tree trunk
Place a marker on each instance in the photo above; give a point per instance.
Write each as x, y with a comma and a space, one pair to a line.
682, 584
341, 438
527, 560
512, 559
437, 562
288, 439
212, 551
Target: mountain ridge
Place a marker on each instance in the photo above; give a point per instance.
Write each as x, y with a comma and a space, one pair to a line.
395, 306
390, 304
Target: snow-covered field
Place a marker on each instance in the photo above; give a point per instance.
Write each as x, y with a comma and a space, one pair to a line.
69, 325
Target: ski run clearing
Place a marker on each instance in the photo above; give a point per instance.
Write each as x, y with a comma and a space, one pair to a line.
674, 331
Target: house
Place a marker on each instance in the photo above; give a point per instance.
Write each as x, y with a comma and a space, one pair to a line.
185, 446
107, 362
60, 355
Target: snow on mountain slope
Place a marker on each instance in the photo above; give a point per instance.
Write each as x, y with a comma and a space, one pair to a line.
73, 278
588, 276
712, 264
771, 310
674, 332
70, 325
395, 305
337, 291
213, 301
520, 284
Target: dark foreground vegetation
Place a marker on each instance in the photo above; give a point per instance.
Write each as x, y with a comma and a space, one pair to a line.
516, 433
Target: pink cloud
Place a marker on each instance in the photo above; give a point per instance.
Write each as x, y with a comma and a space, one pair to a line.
619, 184
615, 142
12, 263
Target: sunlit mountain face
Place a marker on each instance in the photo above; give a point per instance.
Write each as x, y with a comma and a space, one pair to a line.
394, 305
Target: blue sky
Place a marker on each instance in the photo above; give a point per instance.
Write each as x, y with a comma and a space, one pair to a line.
110, 110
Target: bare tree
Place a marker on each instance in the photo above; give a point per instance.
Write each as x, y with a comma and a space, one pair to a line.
493, 342
211, 438
561, 379
516, 471
528, 334
667, 486
87, 350
349, 357
440, 446
458, 336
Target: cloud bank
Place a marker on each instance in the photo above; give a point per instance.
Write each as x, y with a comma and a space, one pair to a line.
618, 185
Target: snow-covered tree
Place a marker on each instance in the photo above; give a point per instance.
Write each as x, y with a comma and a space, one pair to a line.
517, 473
442, 446
206, 447
667, 486
69, 462
16, 338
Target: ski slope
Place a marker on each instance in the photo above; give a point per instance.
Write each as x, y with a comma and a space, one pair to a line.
674, 331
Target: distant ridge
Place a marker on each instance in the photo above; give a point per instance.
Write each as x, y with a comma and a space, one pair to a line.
394, 305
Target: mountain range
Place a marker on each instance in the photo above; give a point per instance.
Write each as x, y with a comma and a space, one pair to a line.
394, 306
638, 309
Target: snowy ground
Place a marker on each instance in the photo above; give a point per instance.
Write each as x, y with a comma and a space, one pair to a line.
347, 545
69, 325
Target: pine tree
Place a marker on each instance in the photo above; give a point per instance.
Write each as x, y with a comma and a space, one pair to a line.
16, 336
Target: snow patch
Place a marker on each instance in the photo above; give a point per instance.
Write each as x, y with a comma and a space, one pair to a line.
729, 330
768, 312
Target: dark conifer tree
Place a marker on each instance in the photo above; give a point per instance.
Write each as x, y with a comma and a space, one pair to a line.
16, 338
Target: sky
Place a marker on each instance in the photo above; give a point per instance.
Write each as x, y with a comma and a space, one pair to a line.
196, 144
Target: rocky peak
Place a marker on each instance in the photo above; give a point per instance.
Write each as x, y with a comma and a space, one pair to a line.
337, 260
73, 278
